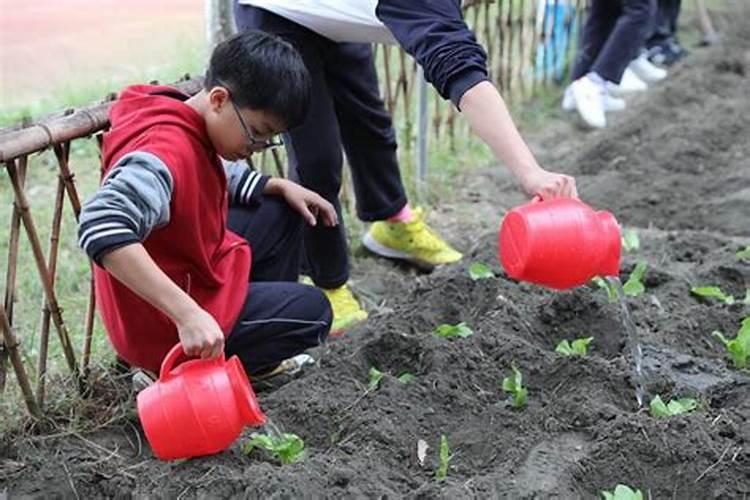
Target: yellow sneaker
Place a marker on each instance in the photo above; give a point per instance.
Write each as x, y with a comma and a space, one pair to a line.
346, 310
413, 241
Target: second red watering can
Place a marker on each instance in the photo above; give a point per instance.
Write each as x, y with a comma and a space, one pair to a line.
198, 408
561, 243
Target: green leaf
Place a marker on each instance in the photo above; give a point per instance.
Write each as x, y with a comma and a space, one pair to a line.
514, 385
442, 471
744, 254
375, 376
633, 287
622, 492
564, 348
480, 271
579, 347
288, 448
405, 378
630, 240
674, 407
459, 330
712, 292
607, 286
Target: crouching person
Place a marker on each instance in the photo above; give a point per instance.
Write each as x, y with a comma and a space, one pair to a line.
173, 230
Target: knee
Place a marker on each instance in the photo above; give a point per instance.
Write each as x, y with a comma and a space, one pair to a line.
321, 311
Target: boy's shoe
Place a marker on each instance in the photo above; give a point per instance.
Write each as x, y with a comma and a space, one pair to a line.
646, 71
589, 100
346, 309
628, 84
142, 379
285, 372
413, 241
611, 103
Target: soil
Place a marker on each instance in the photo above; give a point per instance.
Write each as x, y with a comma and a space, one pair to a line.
676, 166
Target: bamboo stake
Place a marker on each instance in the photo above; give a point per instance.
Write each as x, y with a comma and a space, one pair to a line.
32, 234
90, 309
23, 380
62, 152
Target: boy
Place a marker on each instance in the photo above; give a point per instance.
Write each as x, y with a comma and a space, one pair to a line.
347, 110
160, 228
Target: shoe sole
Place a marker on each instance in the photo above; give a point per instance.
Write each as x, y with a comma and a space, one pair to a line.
372, 245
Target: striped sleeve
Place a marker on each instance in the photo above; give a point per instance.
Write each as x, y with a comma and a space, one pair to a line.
133, 199
244, 183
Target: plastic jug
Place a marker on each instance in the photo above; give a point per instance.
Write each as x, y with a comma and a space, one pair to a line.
198, 408
561, 243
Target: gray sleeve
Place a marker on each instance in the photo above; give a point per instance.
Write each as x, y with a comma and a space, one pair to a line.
132, 200
244, 183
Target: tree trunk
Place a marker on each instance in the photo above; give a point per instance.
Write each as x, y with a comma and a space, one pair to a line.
219, 21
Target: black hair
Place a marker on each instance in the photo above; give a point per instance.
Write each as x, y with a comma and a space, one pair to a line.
262, 72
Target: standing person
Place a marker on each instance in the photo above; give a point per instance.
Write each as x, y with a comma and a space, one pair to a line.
171, 232
612, 37
347, 110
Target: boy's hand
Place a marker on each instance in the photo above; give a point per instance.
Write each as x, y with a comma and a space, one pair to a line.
200, 334
308, 203
547, 185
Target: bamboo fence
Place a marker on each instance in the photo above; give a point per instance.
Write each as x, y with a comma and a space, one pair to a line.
527, 48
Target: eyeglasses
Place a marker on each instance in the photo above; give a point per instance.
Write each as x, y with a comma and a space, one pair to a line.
252, 143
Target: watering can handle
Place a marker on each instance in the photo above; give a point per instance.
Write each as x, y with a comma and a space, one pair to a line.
176, 354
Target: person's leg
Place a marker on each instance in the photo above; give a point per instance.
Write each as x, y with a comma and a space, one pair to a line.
596, 31
278, 321
314, 147
626, 39
274, 231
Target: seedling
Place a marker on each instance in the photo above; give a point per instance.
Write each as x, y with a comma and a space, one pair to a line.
579, 347
630, 240
514, 385
675, 407
622, 492
608, 287
712, 292
460, 330
405, 378
375, 376
480, 271
442, 470
633, 287
288, 448
739, 346
744, 254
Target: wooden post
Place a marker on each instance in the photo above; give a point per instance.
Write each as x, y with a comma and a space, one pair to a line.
11, 344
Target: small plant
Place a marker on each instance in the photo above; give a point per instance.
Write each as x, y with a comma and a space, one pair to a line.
622, 492
712, 292
739, 346
606, 286
630, 240
288, 448
579, 347
514, 385
675, 407
442, 470
374, 378
744, 254
460, 330
405, 378
480, 271
634, 287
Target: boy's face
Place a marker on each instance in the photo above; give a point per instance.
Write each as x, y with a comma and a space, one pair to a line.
235, 132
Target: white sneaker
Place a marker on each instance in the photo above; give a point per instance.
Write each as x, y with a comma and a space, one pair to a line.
630, 83
589, 101
646, 71
611, 103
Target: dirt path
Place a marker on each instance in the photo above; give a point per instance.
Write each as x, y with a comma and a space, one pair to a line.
676, 166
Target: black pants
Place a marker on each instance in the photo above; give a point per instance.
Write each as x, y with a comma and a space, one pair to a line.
280, 317
612, 36
664, 26
346, 110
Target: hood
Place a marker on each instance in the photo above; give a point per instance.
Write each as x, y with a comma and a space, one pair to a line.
141, 107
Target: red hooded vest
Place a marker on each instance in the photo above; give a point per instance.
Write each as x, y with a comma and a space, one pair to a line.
195, 248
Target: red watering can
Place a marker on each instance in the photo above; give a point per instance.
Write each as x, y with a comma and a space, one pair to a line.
198, 408
561, 243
